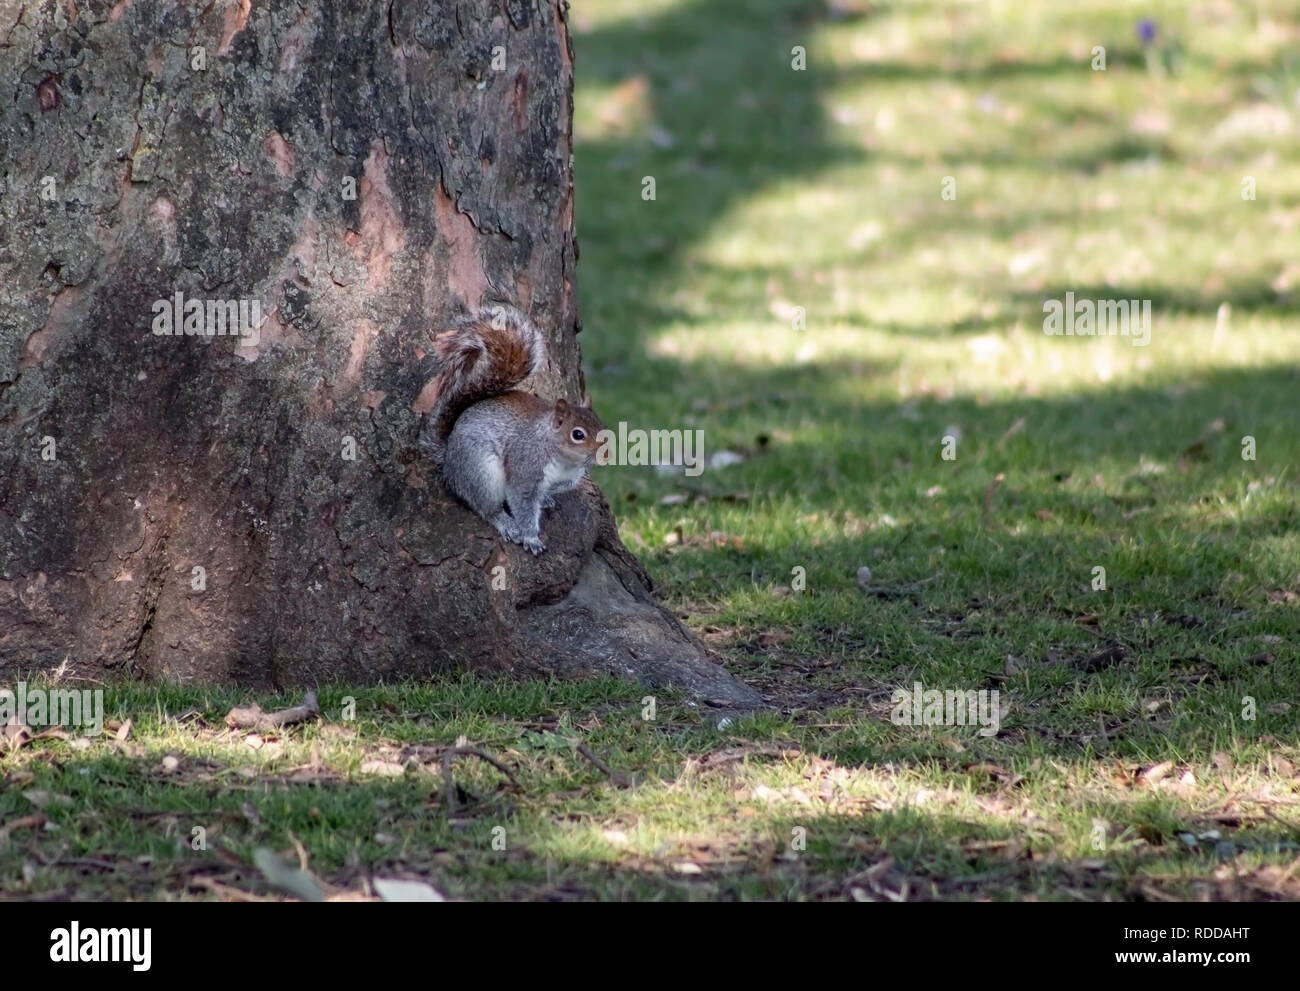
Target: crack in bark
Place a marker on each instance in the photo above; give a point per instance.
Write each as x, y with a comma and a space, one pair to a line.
152, 587
22, 10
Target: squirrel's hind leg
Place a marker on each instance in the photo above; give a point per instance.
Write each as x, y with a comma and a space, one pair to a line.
481, 485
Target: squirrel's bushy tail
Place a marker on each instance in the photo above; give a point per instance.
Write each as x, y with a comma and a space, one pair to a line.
483, 355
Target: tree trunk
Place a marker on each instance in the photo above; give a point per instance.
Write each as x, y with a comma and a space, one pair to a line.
254, 509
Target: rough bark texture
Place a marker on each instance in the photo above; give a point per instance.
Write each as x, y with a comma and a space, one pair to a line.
130, 175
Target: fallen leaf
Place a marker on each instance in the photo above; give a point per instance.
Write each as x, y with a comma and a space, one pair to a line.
16, 734
993, 771
383, 768
1157, 771
395, 890
47, 799
287, 878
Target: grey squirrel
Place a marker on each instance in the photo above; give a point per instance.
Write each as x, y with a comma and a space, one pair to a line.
504, 452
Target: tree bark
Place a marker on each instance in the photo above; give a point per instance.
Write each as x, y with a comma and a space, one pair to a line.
363, 175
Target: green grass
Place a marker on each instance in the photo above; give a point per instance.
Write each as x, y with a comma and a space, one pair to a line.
820, 189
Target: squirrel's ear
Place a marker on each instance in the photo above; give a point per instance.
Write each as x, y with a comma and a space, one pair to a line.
586, 400
561, 410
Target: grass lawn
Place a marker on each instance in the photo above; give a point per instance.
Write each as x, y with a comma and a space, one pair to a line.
801, 289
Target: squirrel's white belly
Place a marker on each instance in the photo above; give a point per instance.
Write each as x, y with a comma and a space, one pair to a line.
558, 475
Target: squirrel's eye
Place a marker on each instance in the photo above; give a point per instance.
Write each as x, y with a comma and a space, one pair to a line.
578, 434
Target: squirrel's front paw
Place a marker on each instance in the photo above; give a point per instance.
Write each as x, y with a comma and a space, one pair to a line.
534, 544
548, 502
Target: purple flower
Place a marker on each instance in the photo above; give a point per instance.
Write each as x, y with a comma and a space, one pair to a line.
1146, 30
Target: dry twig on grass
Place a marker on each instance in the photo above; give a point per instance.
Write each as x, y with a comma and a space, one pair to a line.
620, 779
449, 783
